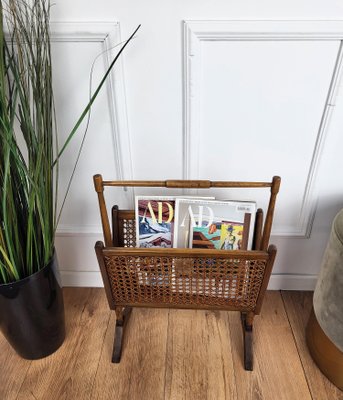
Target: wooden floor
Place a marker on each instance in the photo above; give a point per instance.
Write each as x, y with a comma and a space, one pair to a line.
172, 354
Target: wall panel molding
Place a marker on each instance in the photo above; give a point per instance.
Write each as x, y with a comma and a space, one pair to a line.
196, 32
107, 35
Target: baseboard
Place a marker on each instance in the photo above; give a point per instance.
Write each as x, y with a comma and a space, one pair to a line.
81, 278
292, 282
277, 281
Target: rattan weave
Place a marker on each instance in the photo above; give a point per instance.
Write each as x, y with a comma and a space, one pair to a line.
223, 280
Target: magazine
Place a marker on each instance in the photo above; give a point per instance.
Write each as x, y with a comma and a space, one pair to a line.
214, 224
155, 220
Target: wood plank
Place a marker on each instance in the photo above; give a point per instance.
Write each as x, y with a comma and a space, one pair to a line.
140, 373
199, 359
298, 307
69, 373
278, 373
176, 354
13, 371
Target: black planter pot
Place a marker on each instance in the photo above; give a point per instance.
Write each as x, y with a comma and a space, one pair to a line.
32, 313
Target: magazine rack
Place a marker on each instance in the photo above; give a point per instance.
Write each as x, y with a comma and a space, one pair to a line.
232, 280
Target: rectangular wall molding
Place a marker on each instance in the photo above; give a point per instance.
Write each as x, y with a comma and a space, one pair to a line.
107, 34
197, 32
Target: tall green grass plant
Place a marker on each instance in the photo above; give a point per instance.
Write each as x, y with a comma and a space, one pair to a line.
29, 151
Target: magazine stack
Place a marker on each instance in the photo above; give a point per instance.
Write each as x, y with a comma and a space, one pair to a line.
194, 222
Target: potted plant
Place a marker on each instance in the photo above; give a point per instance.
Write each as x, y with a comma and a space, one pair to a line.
31, 301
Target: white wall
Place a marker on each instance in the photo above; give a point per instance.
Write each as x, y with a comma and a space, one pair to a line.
267, 87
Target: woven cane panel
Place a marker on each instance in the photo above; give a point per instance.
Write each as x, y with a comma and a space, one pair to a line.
129, 233
185, 281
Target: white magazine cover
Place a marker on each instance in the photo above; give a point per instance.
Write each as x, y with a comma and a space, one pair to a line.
214, 224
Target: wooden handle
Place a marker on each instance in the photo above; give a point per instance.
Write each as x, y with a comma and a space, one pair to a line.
184, 184
188, 184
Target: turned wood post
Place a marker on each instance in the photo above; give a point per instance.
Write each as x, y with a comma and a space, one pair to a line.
270, 213
99, 188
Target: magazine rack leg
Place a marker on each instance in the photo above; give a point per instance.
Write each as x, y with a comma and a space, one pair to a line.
122, 316
247, 323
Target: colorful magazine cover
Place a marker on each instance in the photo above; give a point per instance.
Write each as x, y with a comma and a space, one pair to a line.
225, 235
154, 221
214, 224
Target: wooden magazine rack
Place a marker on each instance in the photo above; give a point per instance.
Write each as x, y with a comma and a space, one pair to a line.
183, 278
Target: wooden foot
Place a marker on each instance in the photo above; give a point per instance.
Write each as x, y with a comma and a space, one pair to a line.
122, 315
247, 323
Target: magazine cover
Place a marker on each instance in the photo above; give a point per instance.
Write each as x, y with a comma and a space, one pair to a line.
225, 235
214, 224
154, 221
